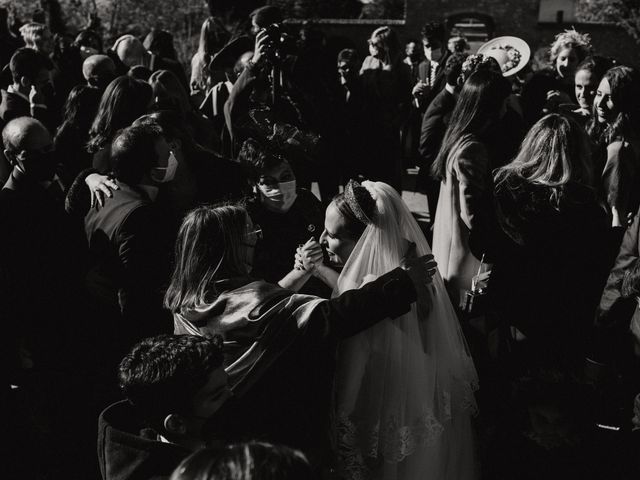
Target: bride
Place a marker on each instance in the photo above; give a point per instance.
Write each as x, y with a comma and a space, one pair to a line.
404, 390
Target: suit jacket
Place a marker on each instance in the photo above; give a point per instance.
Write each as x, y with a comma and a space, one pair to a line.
434, 126
39, 268
615, 311
424, 75
129, 261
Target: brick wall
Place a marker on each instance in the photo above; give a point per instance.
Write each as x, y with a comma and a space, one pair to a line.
511, 17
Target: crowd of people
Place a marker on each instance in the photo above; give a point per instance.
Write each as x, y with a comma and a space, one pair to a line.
171, 283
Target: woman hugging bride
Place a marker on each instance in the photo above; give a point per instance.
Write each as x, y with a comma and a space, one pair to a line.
404, 389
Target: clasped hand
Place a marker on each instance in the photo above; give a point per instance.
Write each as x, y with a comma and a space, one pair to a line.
309, 256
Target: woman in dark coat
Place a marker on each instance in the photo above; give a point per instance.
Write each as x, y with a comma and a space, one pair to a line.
549, 266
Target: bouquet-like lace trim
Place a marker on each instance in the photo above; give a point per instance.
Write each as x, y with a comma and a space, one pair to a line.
360, 447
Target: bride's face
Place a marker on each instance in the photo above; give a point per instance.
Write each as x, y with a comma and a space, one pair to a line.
335, 238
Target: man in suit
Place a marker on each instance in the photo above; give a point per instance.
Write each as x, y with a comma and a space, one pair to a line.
36, 243
434, 126
129, 246
31, 75
431, 78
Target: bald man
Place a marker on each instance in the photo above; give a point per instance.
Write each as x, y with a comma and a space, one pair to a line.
38, 248
28, 147
131, 53
41, 256
98, 71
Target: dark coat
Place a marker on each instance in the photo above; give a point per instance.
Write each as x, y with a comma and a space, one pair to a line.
434, 125
615, 311
129, 451
129, 252
548, 268
39, 269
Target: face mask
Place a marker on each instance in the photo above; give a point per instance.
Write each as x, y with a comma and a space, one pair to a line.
165, 174
280, 198
41, 167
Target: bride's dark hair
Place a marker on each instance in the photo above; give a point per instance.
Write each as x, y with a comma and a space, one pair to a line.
357, 207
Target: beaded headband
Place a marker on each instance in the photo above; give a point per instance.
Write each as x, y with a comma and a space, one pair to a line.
350, 197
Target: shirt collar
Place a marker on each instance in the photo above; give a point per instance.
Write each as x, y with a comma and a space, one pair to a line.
151, 191
12, 89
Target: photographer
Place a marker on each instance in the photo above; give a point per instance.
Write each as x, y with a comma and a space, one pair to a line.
253, 86
269, 101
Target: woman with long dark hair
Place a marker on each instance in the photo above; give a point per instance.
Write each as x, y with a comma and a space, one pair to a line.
170, 94
615, 131
463, 167
72, 136
124, 100
588, 75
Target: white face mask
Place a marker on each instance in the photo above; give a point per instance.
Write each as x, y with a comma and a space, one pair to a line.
279, 198
165, 174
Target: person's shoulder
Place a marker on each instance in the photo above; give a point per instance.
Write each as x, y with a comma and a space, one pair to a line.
471, 146
442, 102
308, 197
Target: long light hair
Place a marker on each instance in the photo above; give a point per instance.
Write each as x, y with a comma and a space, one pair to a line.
207, 249
478, 106
554, 153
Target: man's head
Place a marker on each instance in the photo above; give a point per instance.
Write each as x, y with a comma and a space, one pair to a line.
412, 50
29, 148
141, 155
176, 383
98, 71
130, 50
30, 68
347, 64
433, 41
37, 37
453, 68
263, 17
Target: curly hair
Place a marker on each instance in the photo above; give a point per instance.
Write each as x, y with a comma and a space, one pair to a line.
580, 42
245, 461
162, 374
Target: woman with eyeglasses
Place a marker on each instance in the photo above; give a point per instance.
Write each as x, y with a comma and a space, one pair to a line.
278, 343
289, 216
